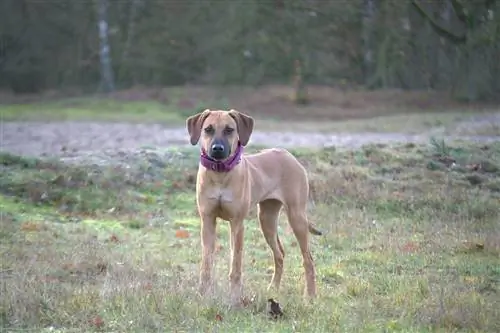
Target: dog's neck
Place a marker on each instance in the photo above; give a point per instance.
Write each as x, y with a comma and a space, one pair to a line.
221, 166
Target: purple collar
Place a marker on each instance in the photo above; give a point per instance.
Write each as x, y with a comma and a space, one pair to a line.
221, 166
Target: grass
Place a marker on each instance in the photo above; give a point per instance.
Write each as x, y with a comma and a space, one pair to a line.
491, 128
331, 109
411, 244
95, 109
408, 121
150, 111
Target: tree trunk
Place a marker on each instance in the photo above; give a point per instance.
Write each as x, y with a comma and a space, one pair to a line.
301, 95
447, 55
134, 4
107, 78
432, 54
368, 54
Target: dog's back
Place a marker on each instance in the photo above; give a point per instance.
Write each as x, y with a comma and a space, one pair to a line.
277, 162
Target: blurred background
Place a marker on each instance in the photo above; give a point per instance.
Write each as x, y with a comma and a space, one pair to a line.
451, 46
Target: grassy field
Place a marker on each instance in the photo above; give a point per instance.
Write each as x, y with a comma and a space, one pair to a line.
94, 109
412, 244
330, 110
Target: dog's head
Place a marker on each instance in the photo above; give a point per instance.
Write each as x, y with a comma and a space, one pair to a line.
220, 131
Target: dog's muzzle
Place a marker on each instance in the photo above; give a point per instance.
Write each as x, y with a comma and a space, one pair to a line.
219, 150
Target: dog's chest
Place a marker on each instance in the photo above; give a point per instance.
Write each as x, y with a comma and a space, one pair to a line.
222, 195
221, 201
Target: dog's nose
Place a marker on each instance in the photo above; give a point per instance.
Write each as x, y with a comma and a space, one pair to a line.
217, 147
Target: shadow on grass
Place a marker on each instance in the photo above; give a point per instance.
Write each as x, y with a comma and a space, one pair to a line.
412, 244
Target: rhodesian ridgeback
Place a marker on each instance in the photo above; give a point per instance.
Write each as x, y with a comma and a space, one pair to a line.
229, 183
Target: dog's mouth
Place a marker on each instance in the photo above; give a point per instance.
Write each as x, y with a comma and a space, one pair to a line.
218, 156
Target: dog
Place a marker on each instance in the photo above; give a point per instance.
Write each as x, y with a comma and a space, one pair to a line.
229, 183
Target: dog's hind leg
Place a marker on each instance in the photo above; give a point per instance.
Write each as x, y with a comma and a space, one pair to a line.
268, 217
300, 226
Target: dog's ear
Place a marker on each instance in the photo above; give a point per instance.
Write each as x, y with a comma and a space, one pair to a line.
194, 124
245, 125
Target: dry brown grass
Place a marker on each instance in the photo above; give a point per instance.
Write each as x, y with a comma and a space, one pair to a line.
411, 244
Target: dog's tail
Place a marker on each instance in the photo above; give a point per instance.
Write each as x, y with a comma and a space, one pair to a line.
314, 231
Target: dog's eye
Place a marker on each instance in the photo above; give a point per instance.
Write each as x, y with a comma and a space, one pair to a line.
228, 130
209, 130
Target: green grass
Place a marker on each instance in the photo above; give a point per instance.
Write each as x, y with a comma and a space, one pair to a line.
411, 244
98, 109
174, 113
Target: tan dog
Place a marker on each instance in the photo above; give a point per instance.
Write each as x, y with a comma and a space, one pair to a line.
229, 183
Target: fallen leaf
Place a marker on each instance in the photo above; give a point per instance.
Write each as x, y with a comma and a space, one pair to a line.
48, 279
113, 239
68, 266
97, 322
218, 317
30, 226
470, 279
473, 246
410, 247
181, 233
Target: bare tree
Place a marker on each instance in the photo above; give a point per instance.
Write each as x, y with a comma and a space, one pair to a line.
134, 5
107, 78
368, 17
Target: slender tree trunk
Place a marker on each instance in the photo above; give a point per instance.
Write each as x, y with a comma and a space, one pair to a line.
107, 78
134, 4
495, 75
446, 56
300, 87
415, 46
433, 50
368, 53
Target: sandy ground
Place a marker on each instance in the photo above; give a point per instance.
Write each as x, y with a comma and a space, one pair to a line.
70, 138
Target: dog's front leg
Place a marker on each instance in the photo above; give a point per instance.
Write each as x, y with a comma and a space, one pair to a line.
208, 234
237, 232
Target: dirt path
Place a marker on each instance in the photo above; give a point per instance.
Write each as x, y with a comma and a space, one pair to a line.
74, 138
